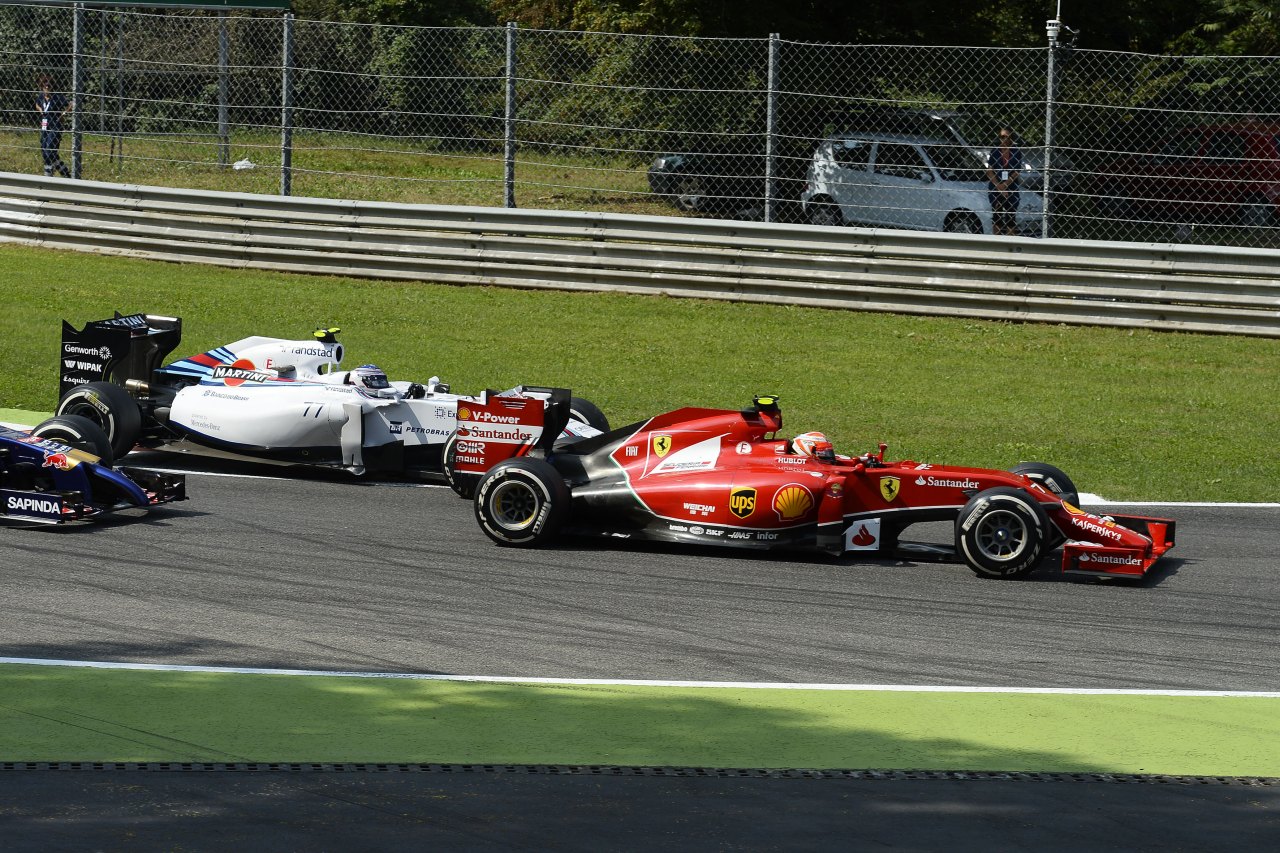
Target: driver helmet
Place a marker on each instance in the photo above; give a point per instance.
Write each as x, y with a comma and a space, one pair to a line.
814, 445
369, 377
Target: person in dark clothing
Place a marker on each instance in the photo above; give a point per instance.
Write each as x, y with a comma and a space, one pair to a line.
51, 109
1004, 164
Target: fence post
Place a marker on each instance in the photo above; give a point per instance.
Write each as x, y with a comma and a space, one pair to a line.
509, 121
117, 143
286, 107
77, 88
1052, 28
224, 86
102, 72
771, 129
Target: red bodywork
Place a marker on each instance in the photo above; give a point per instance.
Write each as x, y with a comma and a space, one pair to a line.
721, 477
1207, 172
495, 427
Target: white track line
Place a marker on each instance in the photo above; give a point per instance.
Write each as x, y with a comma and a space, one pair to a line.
189, 473
622, 682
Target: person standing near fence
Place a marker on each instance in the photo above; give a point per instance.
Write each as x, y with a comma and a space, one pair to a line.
1004, 164
51, 108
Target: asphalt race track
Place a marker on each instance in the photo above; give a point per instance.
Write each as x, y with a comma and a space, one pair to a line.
331, 574
335, 574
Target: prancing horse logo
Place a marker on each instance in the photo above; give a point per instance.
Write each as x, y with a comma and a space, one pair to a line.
661, 444
889, 487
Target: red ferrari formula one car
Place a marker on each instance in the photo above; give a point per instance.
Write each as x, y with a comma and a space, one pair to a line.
717, 477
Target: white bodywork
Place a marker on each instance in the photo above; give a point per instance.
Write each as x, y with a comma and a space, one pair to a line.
924, 184
267, 394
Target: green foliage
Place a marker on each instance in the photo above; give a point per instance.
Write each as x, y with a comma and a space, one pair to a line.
1129, 414
640, 94
428, 13
1238, 27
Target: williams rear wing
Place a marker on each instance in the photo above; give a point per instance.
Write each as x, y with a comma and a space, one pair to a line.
115, 350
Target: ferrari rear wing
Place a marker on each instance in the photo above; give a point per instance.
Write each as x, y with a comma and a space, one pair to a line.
116, 350
498, 426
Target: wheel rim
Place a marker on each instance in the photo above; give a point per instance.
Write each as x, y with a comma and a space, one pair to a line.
514, 505
1002, 535
689, 194
824, 215
84, 410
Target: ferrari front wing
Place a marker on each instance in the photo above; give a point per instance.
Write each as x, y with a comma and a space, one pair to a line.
1132, 557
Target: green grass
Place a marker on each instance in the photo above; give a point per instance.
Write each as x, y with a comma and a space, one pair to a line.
421, 171
368, 168
1129, 414
66, 714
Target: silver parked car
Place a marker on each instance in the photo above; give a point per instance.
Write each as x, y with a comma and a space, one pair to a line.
905, 181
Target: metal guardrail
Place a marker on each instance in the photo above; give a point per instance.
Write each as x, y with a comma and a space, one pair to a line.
1165, 287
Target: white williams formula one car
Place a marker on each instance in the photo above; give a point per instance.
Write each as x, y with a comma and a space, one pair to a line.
292, 402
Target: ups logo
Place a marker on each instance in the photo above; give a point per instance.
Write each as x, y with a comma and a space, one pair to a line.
742, 502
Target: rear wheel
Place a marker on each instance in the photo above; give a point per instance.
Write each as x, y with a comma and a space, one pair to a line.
962, 223
589, 413
1002, 533
825, 213
522, 502
111, 408
464, 485
79, 432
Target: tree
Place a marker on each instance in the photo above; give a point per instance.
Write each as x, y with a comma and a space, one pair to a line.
1241, 27
423, 13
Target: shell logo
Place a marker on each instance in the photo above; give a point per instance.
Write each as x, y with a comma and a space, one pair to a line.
792, 502
464, 414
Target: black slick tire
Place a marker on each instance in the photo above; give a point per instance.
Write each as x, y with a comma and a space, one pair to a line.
522, 502
463, 485
111, 408
1002, 533
589, 413
79, 432
1053, 479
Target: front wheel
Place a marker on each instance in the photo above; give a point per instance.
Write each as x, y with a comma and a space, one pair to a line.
111, 408
690, 193
79, 432
522, 502
1002, 533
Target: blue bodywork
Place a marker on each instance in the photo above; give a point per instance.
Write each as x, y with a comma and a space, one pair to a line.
45, 481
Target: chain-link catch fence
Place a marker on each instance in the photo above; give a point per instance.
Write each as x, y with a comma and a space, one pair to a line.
1110, 146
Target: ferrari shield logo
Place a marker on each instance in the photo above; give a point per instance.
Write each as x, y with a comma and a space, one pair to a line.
742, 502
889, 487
661, 444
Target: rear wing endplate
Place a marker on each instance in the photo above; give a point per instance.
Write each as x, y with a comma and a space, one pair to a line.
115, 350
